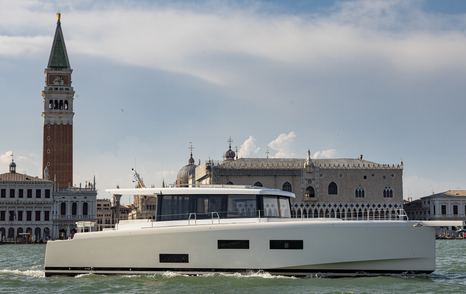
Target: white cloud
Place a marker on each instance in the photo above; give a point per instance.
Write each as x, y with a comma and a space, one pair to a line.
248, 148
186, 41
327, 153
282, 145
6, 157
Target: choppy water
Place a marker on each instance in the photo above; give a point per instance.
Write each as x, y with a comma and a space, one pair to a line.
21, 272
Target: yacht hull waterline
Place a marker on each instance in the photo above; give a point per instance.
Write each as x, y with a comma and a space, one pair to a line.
341, 247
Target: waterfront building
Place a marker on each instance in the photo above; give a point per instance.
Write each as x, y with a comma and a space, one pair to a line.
448, 205
72, 204
104, 214
341, 187
26, 207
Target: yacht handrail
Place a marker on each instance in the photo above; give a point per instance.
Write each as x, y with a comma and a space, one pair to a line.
189, 217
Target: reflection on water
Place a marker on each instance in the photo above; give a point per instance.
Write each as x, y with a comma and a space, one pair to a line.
21, 271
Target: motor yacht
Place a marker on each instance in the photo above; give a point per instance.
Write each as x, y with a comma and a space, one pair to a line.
242, 229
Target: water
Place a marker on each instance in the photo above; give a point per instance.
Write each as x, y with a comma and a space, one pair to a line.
21, 271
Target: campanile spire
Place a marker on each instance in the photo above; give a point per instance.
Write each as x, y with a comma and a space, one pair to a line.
58, 113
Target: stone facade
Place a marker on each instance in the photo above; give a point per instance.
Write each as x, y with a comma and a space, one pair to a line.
449, 205
104, 214
73, 205
26, 207
351, 188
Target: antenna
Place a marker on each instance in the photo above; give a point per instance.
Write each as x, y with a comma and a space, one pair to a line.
191, 148
267, 152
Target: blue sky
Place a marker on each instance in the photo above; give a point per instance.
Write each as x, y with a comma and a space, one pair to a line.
381, 78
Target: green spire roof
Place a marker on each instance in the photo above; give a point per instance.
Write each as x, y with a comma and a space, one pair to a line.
58, 56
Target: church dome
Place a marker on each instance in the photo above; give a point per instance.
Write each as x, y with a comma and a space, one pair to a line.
230, 154
182, 178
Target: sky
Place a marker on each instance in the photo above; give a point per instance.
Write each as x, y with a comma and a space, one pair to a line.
386, 79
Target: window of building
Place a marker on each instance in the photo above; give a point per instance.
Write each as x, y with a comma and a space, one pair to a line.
29, 193
38, 193
85, 208
258, 184
434, 209
37, 215
74, 208
310, 192
47, 193
46, 215
455, 209
233, 244
63, 208
332, 188
387, 192
287, 187
12, 193
444, 210
11, 215
359, 192
20, 215
2, 215
3, 193
20, 193
29, 215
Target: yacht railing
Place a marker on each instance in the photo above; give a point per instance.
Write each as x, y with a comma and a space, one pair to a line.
215, 217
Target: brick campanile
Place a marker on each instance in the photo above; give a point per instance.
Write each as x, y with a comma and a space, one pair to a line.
57, 163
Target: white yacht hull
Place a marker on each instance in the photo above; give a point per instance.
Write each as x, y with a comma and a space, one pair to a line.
329, 246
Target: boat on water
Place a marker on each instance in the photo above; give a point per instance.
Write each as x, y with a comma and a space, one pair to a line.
242, 229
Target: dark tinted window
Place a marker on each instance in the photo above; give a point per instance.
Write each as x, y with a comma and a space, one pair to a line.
174, 258
233, 244
286, 244
47, 193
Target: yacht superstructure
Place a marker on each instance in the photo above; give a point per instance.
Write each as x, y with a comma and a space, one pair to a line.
220, 229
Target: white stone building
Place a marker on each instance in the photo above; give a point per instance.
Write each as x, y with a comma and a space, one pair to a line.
72, 205
448, 205
26, 207
342, 187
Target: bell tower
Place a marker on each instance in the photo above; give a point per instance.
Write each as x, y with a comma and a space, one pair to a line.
57, 163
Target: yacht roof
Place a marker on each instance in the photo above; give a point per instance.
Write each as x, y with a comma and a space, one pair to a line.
202, 191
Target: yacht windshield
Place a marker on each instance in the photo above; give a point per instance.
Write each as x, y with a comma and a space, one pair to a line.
242, 206
179, 207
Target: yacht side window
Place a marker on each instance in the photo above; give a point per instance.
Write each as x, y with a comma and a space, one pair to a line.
271, 206
284, 207
242, 206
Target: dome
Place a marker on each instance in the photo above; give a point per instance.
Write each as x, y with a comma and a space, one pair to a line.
182, 178
230, 154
